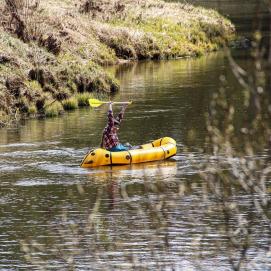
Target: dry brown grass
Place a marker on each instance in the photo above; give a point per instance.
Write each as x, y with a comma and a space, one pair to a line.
59, 44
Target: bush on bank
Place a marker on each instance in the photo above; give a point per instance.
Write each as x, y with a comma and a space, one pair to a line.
53, 51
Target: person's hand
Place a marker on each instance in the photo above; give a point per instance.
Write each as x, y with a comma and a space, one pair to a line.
124, 106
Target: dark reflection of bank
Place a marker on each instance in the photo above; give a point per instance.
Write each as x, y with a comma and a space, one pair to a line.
133, 176
165, 97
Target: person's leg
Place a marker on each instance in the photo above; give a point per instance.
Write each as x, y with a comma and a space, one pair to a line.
128, 146
119, 147
136, 147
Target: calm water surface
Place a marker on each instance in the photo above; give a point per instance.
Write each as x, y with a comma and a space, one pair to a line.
114, 218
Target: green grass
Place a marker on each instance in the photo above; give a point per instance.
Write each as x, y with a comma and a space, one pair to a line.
54, 109
82, 98
70, 104
165, 38
32, 110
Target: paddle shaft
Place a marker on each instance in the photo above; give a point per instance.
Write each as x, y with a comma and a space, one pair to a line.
119, 102
97, 103
111, 102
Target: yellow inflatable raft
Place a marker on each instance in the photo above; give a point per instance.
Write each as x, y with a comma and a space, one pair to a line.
159, 149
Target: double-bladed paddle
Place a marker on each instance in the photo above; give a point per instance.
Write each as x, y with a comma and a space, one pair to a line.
96, 103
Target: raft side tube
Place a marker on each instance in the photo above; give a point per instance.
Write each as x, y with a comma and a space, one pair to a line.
97, 157
168, 140
121, 158
85, 160
147, 155
163, 141
147, 146
169, 150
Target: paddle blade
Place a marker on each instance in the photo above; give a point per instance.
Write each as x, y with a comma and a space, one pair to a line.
95, 102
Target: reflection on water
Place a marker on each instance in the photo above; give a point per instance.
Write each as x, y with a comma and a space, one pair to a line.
160, 169
117, 217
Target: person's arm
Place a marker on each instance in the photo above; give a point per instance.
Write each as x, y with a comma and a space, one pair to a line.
102, 142
110, 115
110, 123
121, 113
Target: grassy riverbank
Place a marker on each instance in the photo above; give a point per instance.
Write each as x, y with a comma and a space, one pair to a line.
52, 52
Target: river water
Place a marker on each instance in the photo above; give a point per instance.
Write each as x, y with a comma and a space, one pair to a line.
140, 217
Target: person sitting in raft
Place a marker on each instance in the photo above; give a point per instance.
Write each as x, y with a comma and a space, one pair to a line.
110, 140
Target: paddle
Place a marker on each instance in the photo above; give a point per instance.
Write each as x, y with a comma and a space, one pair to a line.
96, 103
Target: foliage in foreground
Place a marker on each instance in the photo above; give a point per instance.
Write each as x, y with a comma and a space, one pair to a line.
238, 174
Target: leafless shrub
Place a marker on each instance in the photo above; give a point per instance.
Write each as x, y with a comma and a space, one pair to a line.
19, 17
52, 43
44, 77
6, 59
241, 146
105, 10
91, 6
8, 112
